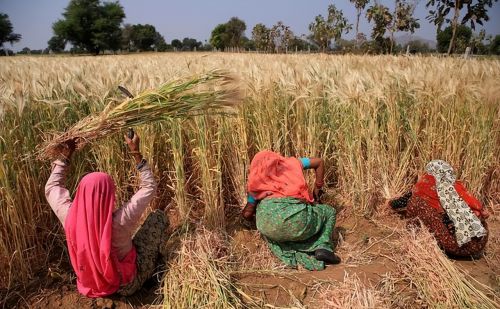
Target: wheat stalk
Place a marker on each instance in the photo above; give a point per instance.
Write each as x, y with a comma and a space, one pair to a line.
213, 92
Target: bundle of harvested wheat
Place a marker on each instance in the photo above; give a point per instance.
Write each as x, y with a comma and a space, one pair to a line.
439, 282
212, 92
351, 293
198, 277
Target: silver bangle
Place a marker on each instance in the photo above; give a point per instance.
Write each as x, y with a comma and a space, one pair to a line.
141, 164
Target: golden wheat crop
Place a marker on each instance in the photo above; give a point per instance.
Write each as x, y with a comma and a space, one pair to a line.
376, 120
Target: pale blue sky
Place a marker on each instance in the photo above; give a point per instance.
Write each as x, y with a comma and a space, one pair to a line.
196, 18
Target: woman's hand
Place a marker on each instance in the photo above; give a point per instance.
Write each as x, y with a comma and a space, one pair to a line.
484, 213
319, 167
249, 211
133, 145
67, 149
317, 193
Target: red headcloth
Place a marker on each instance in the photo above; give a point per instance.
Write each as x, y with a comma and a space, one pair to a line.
272, 175
425, 188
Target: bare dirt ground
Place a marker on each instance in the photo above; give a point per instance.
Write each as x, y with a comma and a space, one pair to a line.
365, 246
367, 254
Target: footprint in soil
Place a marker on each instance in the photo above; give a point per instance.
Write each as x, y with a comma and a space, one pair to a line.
338, 232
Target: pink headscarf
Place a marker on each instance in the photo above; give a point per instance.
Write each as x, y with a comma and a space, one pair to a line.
88, 229
272, 175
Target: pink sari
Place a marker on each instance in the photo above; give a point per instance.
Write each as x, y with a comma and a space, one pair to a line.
88, 229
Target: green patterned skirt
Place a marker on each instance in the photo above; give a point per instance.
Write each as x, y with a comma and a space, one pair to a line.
294, 230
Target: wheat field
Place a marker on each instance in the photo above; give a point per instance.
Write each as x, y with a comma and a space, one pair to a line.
376, 120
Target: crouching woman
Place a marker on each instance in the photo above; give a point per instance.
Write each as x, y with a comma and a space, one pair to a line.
455, 217
297, 231
103, 254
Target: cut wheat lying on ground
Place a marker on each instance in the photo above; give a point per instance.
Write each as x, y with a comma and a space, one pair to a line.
376, 120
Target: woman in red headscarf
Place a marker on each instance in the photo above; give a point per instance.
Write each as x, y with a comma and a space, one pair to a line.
104, 256
298, 231
455, 217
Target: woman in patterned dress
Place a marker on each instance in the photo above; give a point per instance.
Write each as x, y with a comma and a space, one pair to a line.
297, 231
453, 215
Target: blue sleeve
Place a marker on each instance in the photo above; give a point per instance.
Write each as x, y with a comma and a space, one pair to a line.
306, 163
251, 199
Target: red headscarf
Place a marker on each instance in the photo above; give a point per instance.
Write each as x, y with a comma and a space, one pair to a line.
425, 188
88, 229
272, 175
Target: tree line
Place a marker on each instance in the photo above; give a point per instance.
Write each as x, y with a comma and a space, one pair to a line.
93, 26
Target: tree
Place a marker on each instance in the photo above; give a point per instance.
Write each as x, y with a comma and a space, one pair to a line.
143, 36
297, 43
235, 28
360, 6
177, 44
361, 39
323, 31
476, 43
25, 51
247, 43
280, 37
319, 32
190, 44
403, 19
417, 46
343, 45
494, 46
90, 25
160, 44
463, 34
205, 47
229, 34
107, 31
56, 44
219, 38
382, 20
261, 36
476, 12
6, 34
126, 41
400, 20
337, 22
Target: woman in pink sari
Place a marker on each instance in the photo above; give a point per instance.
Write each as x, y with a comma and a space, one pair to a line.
104, 256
